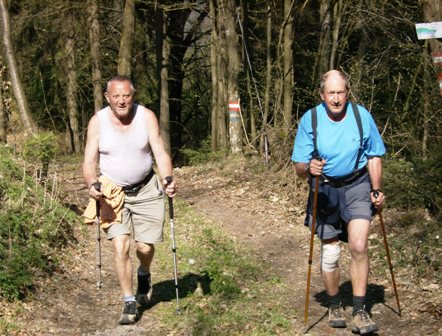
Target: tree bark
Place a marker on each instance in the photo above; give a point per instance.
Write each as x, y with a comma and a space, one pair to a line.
17, 85
162, 65
264, 132
432, 12
338, 10
288, 65
94, 37
71, 85
3, 137
214, 51
235, 129
125, 51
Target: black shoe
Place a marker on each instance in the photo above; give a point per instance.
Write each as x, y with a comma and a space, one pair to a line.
144, 291
130, 313
336, 317
362, 323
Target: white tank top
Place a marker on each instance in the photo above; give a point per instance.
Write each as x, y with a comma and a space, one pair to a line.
125, 157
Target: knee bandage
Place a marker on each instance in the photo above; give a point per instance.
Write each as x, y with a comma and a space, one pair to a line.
330, 256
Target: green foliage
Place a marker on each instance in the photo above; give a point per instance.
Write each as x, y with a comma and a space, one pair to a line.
32, 228
201, 155
41, 148
415, 184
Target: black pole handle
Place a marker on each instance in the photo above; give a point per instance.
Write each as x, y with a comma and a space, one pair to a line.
169, 180
97, 186
376, 194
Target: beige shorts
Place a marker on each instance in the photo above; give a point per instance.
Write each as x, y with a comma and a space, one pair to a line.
143, 211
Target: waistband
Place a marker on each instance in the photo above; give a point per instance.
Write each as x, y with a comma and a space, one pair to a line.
346, 180
133, 188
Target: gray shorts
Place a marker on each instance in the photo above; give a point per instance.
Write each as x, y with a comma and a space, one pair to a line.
355, 204
144, 212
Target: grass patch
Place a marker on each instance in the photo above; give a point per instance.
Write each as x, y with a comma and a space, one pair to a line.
33, 226
224, 289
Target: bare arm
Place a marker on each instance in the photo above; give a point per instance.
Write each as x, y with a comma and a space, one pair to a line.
162, 158
91, 156
375, 170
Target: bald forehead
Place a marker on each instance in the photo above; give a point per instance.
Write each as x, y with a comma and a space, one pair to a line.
335, 79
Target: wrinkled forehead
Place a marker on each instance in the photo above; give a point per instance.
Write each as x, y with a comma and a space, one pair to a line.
335, 83
120, 87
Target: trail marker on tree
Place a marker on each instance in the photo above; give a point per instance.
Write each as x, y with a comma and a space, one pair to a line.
432, 30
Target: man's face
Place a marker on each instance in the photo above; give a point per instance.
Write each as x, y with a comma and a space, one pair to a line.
120, 98
335, 94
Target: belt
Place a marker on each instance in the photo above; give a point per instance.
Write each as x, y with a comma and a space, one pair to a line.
342, 182
133, 188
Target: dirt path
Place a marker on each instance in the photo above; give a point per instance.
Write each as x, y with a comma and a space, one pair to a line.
268, 223
264, 220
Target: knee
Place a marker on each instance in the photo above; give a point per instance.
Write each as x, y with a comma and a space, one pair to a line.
121, 246
358, 247
145, 249
330, 256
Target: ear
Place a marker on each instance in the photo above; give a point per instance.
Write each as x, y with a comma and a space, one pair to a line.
322, 95
106, 96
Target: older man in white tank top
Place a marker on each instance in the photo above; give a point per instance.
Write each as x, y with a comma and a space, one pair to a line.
123, 137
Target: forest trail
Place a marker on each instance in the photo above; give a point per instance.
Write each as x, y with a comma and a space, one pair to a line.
263, 219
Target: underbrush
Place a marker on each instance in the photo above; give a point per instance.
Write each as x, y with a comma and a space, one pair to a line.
34, 225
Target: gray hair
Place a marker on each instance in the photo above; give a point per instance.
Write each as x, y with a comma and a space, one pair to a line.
120, 78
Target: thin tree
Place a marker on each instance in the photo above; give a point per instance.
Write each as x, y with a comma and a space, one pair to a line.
163, 50
94, 37
235, 128
2, 105
14, 74
288, 64
127, 35
71, 84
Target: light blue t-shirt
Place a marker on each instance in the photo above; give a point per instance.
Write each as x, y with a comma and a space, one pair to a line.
338, 142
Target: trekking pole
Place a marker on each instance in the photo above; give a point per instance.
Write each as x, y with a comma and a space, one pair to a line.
390, 266
310, 257
169, 180
97, 186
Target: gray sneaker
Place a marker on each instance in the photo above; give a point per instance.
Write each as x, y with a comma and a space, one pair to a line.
363, 324
336, 317
130, 313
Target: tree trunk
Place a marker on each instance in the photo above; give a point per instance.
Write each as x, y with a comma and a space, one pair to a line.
288, 65
162, 65
324, 43
223, 95
125, 51
17, 85
71, 85
432, 12
264, 132
2, 106
338, 10
94, 37
235, 129
214, 51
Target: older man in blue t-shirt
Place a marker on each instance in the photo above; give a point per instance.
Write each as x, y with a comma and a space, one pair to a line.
350, 172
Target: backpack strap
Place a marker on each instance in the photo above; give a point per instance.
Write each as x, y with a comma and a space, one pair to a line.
314, 126
361, 134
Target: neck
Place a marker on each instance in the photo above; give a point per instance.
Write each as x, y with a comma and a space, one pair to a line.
336, 116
